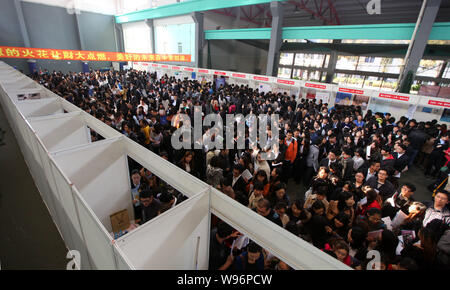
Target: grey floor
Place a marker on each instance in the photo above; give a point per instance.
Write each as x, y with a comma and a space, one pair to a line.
28, 237
30, 240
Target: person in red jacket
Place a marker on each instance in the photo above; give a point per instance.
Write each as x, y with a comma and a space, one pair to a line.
373, 201
289, 156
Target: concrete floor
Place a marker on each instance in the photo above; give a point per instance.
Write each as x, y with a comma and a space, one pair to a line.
28, 237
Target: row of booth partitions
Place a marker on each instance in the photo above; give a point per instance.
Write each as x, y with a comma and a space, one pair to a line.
83, 183
421, 108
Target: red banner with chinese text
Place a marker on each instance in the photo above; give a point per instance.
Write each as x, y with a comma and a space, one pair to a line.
84, 55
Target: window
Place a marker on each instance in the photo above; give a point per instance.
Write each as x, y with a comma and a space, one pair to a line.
429, 68
373, 83
309, 60
180, 47
286, 58
370, 59
347, 62
284, 72
447, 72
389, 84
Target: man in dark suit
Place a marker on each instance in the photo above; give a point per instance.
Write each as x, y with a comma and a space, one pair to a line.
381, 185
263, 208
333, 156
401, 159
437, 156
332, 143
239, 184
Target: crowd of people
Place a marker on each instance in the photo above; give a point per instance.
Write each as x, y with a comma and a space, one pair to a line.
349, 163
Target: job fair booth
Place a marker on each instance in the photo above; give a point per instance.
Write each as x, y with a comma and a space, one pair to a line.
84, 184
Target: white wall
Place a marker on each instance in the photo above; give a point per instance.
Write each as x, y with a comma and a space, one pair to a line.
137, 37
108, 7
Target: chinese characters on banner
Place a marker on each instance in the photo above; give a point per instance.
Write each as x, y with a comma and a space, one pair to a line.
83, 55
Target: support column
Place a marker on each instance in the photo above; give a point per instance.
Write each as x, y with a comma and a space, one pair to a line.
332, 63
418, 45
199, 38
23, 28
233, 53
24, 33
276, 39
150, 25
84, 64
120, 39
80, 34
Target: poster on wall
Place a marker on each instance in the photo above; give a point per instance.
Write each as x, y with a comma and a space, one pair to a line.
324, 96
264, 88
343, 99
282, 91
219, 82
411, 110
310, 94
360, 100
378, 105
445, 115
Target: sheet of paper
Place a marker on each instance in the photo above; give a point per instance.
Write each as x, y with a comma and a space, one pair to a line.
387, 221
399, 246
232, 247
247, 175
241, 242
363, 201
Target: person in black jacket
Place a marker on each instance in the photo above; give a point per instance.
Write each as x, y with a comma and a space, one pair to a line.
401, 159
263, 208
381, 185
238, 184
417, 137
437, 156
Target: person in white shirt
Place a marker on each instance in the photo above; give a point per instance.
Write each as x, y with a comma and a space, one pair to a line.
373, 169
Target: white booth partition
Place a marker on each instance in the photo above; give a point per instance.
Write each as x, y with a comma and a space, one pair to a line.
72, 234
318, 91
262, 83
24, 84
166, 69
42, 107
189, 73
100, 172
354, 96
395, 103
290, 87
239, 79
24, 94
61, 131
205, 75
97, 240
435, 108
83, 183
177, 72
181, 242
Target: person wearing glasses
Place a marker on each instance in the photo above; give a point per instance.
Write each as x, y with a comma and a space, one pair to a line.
150, 206
439, 210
